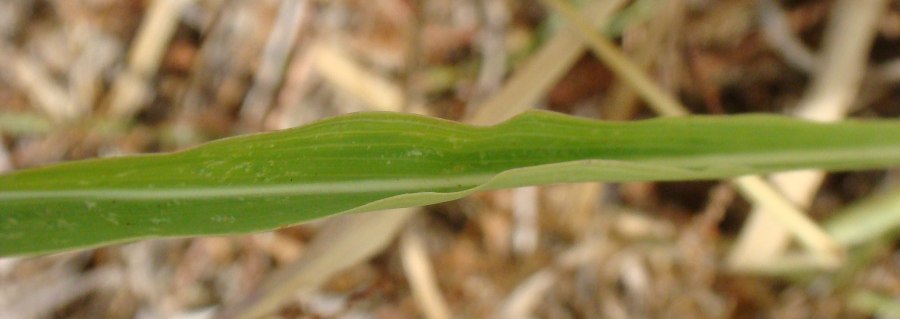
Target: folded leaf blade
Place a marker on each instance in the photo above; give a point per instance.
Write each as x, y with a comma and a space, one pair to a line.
374, 161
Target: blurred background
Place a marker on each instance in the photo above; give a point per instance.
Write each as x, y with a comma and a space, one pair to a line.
94, 78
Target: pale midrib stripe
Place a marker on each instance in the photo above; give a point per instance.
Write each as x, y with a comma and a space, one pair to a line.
793, 159
317, 188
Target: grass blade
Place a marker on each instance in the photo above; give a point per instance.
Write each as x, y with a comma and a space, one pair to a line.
374, 161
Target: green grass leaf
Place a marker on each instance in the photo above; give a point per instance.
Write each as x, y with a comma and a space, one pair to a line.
373, 161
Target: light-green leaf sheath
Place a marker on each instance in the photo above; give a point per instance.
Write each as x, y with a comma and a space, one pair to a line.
370, 161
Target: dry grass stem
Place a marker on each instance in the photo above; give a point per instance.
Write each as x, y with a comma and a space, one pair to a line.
531, 81
420, 273
131, 90
275, 56
661, 101
344, 241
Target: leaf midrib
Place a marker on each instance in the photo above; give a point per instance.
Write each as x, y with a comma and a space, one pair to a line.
405, 184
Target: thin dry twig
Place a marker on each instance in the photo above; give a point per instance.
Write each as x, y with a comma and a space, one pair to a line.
339, 69
275, 56
298, 84
622, 99
412, 94
531, 81
849, 37
420, 273
130, 90
810, 235
525, 230
44, 92
661, 101
345, 241
494, 18
776, 29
